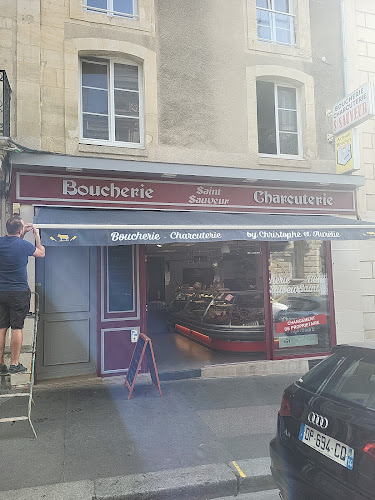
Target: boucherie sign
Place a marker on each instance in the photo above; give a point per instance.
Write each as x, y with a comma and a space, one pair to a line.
354, 108
85, 191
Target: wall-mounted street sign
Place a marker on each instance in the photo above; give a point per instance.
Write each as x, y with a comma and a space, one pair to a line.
354, 108
347, 152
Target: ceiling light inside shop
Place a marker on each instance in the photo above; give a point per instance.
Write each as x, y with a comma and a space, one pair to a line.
225, 248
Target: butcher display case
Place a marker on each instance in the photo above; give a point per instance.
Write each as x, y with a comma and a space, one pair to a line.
225, 320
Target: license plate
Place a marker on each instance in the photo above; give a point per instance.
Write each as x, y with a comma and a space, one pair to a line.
327, 446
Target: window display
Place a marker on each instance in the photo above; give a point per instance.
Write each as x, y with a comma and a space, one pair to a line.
299, 295
222, 296
226, 315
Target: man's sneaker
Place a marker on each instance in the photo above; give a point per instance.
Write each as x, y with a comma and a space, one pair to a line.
17, 368
3, 369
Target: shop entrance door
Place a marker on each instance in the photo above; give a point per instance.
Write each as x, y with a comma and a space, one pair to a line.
122, 305
66, 283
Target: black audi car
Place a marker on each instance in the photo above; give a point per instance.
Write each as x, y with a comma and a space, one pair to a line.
325, 443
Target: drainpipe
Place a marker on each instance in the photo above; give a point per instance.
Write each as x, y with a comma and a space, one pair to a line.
343, 45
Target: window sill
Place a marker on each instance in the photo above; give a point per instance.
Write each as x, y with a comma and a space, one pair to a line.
141, 23
279, 44
112, 150
289, 162
276, 48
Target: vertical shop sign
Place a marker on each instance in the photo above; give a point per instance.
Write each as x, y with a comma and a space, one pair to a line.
347, 152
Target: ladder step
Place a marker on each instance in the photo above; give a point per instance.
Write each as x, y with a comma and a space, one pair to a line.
26, 348
14, 394
13, 419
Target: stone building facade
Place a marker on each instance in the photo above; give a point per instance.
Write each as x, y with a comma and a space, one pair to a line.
198, 73
360, 42
356, 259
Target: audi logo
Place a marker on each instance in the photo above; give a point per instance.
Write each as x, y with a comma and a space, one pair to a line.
318, 420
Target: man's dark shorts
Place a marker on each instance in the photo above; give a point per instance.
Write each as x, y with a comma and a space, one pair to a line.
14, 307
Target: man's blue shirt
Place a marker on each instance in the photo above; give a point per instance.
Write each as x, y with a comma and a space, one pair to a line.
14, 254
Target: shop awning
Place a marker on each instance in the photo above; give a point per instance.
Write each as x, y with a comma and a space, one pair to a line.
94, 227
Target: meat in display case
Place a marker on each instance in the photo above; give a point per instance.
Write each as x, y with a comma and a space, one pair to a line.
223, 320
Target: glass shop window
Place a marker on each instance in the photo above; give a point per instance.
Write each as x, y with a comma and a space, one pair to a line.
299, 297
120, 279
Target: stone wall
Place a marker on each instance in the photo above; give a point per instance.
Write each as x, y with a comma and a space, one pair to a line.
200, 61
354, 262
361, 59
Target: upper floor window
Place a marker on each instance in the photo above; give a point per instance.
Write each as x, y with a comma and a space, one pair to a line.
111, 102
275, 21
278, 131
124, 8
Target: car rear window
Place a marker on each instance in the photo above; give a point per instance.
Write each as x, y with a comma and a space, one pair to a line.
317, 377
356, 383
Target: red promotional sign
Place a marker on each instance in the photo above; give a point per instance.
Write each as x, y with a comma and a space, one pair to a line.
296, 324
100, 191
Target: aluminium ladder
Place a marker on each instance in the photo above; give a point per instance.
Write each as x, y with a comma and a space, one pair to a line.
29, 393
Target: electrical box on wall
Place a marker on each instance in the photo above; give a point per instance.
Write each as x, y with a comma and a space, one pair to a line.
16, 208
134, 334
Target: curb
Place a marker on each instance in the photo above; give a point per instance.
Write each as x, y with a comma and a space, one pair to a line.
243, 369
180, 374
260, 367
192, 483
256, 475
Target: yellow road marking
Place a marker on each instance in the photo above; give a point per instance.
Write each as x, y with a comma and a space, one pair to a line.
241, 472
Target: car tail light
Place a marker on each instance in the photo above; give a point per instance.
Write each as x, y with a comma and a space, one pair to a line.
370, 450
285, 406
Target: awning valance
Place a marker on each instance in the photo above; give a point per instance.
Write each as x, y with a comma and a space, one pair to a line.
94, 227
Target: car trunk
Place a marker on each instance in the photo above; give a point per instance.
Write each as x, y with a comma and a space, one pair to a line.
333, 427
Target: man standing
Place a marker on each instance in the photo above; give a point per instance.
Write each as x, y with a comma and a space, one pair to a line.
14, 289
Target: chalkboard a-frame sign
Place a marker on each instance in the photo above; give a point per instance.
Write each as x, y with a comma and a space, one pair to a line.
143, 345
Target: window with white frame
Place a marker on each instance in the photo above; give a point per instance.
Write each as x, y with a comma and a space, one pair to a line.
275, 21
124, 8
278, 128
111, 102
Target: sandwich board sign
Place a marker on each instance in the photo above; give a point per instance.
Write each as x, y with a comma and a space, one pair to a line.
142, 347
354, 109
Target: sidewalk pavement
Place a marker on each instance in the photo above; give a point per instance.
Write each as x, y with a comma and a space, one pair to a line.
95, 443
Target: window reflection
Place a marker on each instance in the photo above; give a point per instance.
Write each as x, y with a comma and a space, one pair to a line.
299, 295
